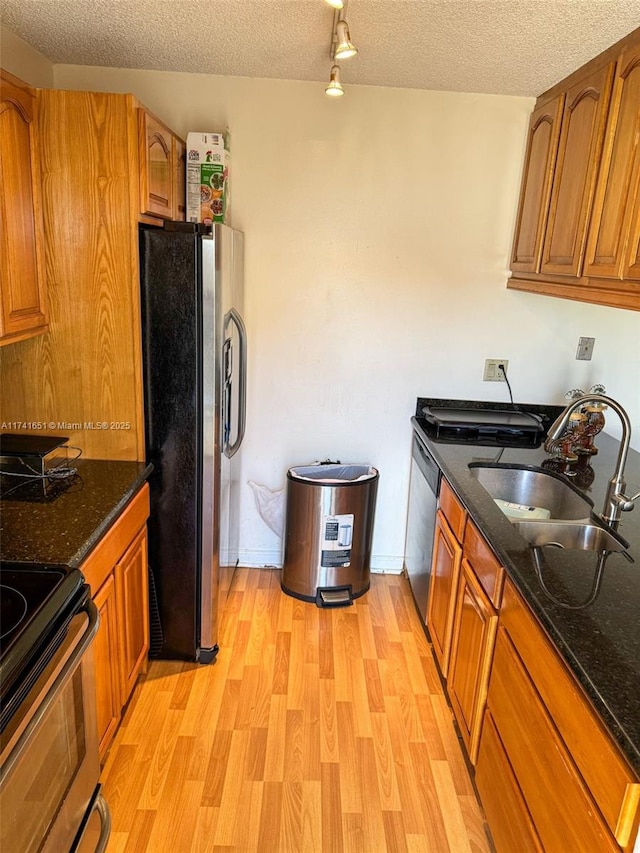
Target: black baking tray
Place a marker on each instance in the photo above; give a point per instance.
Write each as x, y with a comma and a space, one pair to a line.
487, 420
19, 444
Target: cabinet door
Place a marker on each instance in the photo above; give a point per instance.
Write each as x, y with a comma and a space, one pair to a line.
557, 798
509, 819
179, 179
582, 133
107, 665
445, 569
544, 129
133, 612
474, 631
156, 167
22, 291
612, 248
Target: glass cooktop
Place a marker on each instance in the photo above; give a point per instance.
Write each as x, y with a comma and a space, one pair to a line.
33, 602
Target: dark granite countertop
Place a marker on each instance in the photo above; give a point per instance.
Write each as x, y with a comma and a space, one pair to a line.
592, 619
65, 529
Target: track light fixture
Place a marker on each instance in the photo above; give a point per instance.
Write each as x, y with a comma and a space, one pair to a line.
341, 47
334, 89
344, 48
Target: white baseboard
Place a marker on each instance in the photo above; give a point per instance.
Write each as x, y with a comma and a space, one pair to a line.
273, 560
260, 559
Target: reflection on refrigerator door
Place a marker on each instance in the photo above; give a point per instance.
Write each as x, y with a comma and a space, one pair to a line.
234, 383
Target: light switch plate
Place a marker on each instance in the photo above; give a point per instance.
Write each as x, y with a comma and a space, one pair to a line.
585, 349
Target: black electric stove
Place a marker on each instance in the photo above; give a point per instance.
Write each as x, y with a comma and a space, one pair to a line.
37, 603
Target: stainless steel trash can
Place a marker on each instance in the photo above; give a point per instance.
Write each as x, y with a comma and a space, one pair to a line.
328, 532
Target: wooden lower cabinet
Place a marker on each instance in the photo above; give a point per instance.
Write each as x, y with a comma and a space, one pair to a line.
132, 592
107, 675
546, 768
511, 824
117, 569
550, 777
556, 796
445, 570
466, 586
474, 630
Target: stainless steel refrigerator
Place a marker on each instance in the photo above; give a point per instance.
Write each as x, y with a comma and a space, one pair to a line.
194, 357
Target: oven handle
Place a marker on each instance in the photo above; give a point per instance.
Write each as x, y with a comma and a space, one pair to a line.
64, 663
100, 807
105, 821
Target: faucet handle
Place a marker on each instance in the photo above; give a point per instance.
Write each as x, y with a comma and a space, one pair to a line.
626, 504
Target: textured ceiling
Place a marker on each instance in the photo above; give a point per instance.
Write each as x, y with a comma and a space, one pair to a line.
515, 47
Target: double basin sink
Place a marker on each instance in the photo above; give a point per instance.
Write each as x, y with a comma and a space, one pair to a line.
570, 523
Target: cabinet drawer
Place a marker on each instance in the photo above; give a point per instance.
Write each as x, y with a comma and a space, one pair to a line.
504, 805
111, 547
485, 563
557, 798
612, 783
452, 509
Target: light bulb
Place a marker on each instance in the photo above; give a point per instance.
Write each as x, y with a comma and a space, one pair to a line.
337, 4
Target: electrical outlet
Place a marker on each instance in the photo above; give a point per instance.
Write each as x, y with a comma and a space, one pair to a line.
492, 372
585, 349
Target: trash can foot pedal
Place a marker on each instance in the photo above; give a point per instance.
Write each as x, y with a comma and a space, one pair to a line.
334, 596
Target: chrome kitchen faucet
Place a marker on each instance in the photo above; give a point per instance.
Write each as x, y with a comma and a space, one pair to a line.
615, 502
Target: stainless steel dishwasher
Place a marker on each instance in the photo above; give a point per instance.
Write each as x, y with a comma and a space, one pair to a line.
421, 521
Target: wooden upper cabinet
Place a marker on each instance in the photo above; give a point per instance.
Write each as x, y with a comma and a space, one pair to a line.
179, 179
156, 166
162, 169
89, 370
22, 288
578, 228
615, 231
544, 129
582, 133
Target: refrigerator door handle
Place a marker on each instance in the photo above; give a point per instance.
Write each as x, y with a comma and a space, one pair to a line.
231, 449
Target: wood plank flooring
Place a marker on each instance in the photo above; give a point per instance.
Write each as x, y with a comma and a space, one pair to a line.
315, 730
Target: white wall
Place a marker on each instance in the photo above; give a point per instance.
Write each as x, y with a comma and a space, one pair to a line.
19, 58
378, 230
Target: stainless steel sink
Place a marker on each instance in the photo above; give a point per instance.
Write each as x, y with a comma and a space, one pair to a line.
533, 487
569, 534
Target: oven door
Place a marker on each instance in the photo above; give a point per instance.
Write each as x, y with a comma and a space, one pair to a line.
49, 765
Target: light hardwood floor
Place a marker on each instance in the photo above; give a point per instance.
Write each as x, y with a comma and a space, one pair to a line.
315, 730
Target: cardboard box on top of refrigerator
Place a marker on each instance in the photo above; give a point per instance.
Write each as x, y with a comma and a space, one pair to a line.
208, 161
